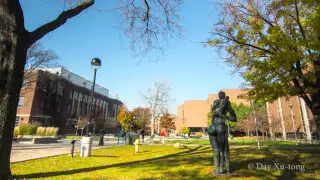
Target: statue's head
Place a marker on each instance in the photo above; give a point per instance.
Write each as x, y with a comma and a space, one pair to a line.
221, 95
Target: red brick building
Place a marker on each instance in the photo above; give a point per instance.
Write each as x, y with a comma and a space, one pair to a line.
57, 97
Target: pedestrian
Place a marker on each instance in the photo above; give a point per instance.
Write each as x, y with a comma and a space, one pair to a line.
101, 138
72, 147
142, 134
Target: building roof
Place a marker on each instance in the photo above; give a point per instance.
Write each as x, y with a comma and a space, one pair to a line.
77, 80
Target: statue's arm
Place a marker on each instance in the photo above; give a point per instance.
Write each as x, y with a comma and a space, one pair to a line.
216, 110
233, 116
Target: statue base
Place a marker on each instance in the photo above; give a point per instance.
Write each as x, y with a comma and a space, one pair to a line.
224, 174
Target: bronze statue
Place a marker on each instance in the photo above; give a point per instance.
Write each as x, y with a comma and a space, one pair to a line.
218, 132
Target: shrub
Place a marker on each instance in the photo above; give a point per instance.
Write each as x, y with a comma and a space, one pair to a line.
23, 129
16, 131
184, 130
199, 134
55, 131
31, 129
48, 131
40, 131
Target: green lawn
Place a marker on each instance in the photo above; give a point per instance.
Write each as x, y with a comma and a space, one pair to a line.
240, 142
166, 162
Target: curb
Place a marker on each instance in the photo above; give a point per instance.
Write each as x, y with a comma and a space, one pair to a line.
63, 154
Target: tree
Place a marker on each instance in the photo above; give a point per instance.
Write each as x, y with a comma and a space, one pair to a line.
157, 99
125, 118
142, 117
81, 124
275, 46
38, 57
184, 130
143, 22
167, 121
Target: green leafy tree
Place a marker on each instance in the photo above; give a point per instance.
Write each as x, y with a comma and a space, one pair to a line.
275, 46
209, 115
184, 130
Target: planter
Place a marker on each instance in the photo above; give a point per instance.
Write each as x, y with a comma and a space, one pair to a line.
44, 140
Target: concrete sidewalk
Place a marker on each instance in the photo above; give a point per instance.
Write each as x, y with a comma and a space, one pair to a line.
24, 151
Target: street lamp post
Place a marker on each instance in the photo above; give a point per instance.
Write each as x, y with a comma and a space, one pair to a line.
86, 142
95, 63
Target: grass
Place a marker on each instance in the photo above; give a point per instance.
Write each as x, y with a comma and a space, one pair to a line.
240, 142
167, 162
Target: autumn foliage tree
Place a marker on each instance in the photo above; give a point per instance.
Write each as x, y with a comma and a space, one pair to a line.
274, 45
142, 118
167, 121
125, 118
144, 22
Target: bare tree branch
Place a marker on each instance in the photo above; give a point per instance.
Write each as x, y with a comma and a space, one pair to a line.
61, 19
158, 100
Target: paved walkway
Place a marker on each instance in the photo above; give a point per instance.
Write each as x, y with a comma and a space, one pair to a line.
24, 151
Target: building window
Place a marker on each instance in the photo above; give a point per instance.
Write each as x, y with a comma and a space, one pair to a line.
71, 92
60, 89
24, 83
69, 109
75, 95
17, 121
41, 104
21, 101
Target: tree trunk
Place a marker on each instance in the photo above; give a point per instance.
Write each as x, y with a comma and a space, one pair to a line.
152, 123
283, 127
305, 119
13, 48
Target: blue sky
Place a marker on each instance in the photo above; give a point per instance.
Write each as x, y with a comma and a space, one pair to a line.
187, 67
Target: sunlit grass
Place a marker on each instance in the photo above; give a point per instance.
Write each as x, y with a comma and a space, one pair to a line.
165, 162
240, 142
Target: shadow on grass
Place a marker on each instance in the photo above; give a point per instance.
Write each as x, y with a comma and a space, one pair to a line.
191, 162
104, 156
82, 170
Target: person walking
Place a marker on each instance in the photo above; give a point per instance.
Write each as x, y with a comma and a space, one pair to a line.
101, 138
142, 135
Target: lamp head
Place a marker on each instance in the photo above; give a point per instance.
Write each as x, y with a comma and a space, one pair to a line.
96, 62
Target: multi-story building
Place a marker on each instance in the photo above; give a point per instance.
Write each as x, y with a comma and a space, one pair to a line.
194, 113
58, 97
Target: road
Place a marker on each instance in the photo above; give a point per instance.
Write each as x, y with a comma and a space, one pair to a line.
26, 151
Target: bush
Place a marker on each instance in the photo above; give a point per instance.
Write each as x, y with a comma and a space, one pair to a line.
31, 129
25, 129
48, 131
199, 134
184, 130
40, 131
16, 131
55, 131
22, 129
